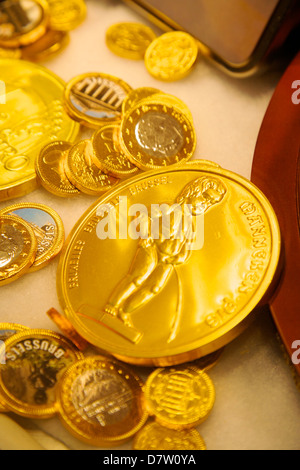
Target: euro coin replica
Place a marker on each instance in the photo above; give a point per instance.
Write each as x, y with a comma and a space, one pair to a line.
47, 227
50, 169
179, 398
35, 362
107, 156
66, 15
47, 46
32, 116
156, 437
151, 293
154, 135
171, 56
87, 178
100, 402
22, 22
129, 40
18, 247
94, 99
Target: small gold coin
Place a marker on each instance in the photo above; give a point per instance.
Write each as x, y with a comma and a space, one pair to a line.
9, 329
179, 398
136, 95
35, 363
46, 47
108, 157
129, 40
156, 437
66, 15
47, 227
94, 99
101, 401
18, 247
87, 178
50, 169
171, 56
154, 135
26, 22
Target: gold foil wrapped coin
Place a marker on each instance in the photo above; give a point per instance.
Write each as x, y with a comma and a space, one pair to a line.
153, 436
47, 227
94, 99
179, 398
9, 329
66, 15
107, 156
154, 286
155, 135
129, 40
10, 53
35, 363
18, 248
136, 95
87, 178
171, 56
101, 402
36, 93
50, 169
47, 46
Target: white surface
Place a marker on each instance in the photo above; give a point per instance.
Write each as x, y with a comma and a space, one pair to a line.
257, 404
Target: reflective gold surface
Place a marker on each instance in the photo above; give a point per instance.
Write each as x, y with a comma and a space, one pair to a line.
35, 362
101, 401
129, 40
47, 46
32, 116
47, 227
158, 302
66, 15
18, 248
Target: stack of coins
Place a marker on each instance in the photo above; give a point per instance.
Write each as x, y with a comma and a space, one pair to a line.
35, 30
134, 130
169, 57
31, 235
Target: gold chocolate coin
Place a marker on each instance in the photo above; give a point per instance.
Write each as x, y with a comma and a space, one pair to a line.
107, 156
87, 178
22, 22
101, 401
129, 40
153, 436
154, 135
94, 99
50, 169
136, 95
47, 227
66, 15
9, 329
18, 247
36, 94
35, 363
171, 56
142, 282
10, 53
47, 46
179, 398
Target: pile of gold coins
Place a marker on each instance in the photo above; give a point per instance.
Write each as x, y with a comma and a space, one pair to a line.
99, 400
35, 30
31, 235
169, 57
136, 130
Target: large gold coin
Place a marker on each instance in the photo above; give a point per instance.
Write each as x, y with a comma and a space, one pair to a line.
108, 157
66, 15
18, 247
179, 398
171, 56
101, 401
134, 284
32, 116
46, 47
87, 178
48, 229
35, 363
50, 169
22, 22
129, 40
155, 135
156, 437
95, 99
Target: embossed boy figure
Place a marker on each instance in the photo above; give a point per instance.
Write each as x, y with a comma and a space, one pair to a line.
157, 257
